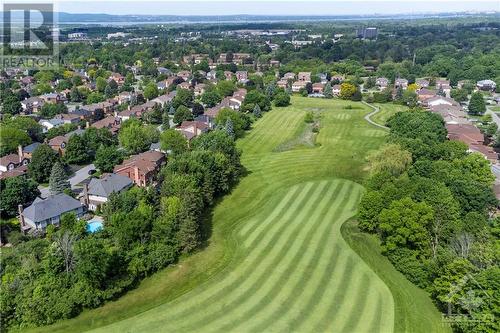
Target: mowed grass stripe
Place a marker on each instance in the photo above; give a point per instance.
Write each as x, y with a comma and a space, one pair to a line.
232, 281
311, 275
251, 283
295, 268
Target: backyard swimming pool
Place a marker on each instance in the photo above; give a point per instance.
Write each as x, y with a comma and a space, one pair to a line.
94, 225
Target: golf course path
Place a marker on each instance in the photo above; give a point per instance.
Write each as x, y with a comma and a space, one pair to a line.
374, 112
290, 270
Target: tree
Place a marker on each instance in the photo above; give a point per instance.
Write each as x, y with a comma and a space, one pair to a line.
16, 191
198, 109
404, 224
370, 206
95, 97
151, 91
100, 84
476, 104
226, 88
181, 114
347, 90
282, 99
173, 141
357, 96
10, 103
11, 138
58, 181
390, 158
77, 150
255, 97
42, 161
239, 120
327, 90
183, 97
50, 110
256, 111
229, 128
75, 95
135, 137
107, 157
211, 98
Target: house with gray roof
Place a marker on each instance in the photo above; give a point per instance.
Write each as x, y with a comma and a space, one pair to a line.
98, 190
44, 212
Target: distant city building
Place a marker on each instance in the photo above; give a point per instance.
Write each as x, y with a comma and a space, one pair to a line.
367, 33
77, 36
117, 35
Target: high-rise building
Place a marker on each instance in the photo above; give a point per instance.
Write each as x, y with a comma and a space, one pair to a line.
367, 33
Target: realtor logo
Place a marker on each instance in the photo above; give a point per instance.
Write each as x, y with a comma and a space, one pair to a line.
29, 36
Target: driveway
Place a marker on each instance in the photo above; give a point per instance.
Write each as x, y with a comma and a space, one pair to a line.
79, 176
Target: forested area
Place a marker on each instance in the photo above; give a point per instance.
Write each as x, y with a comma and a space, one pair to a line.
431, 203
55, 277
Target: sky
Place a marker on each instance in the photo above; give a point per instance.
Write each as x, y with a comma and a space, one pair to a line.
262, 7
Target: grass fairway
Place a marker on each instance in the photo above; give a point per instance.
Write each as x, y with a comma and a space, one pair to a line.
276, 260
387, 110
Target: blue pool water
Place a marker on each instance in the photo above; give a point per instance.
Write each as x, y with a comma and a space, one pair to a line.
94, 225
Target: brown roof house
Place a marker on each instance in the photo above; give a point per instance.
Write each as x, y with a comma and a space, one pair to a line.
191, 129
142, 168
13, 164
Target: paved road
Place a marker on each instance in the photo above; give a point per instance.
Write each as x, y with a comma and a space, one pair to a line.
375, 111
77, 178
494, 116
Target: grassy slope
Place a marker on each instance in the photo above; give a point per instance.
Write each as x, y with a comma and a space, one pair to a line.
386, 111
415, 312
345, 140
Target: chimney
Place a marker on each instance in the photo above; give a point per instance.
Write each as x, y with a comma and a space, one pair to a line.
136, 176
20, 153
86, 200
87, 124
21, 217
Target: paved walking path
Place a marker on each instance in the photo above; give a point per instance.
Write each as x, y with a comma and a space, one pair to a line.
375, 111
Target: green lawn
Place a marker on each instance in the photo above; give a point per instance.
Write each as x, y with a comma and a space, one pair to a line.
276, 260
386, 111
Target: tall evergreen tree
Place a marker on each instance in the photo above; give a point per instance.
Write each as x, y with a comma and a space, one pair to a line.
58, 181
476, 104
327, 90
256, 111
230, 128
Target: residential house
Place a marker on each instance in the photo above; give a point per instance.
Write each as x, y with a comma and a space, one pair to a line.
199, 89
59, 143
472, 136
282, 84
401, 83
242, 76
424, 94
184, 85
304, 76
298, 85
289, 76
164, 99
317, 88
185, 75
68, 118
118, 78
228, 75
438, 100
44, 212
336, 89
487, 85
274, 63
29, 149
382, 83
452, 114
50, 123
323, 78
12, 162
53, 98
32, 104
142, 168
98, 190
164, 71
110, 122
191, 129
337, 79
422, 83
212, 76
